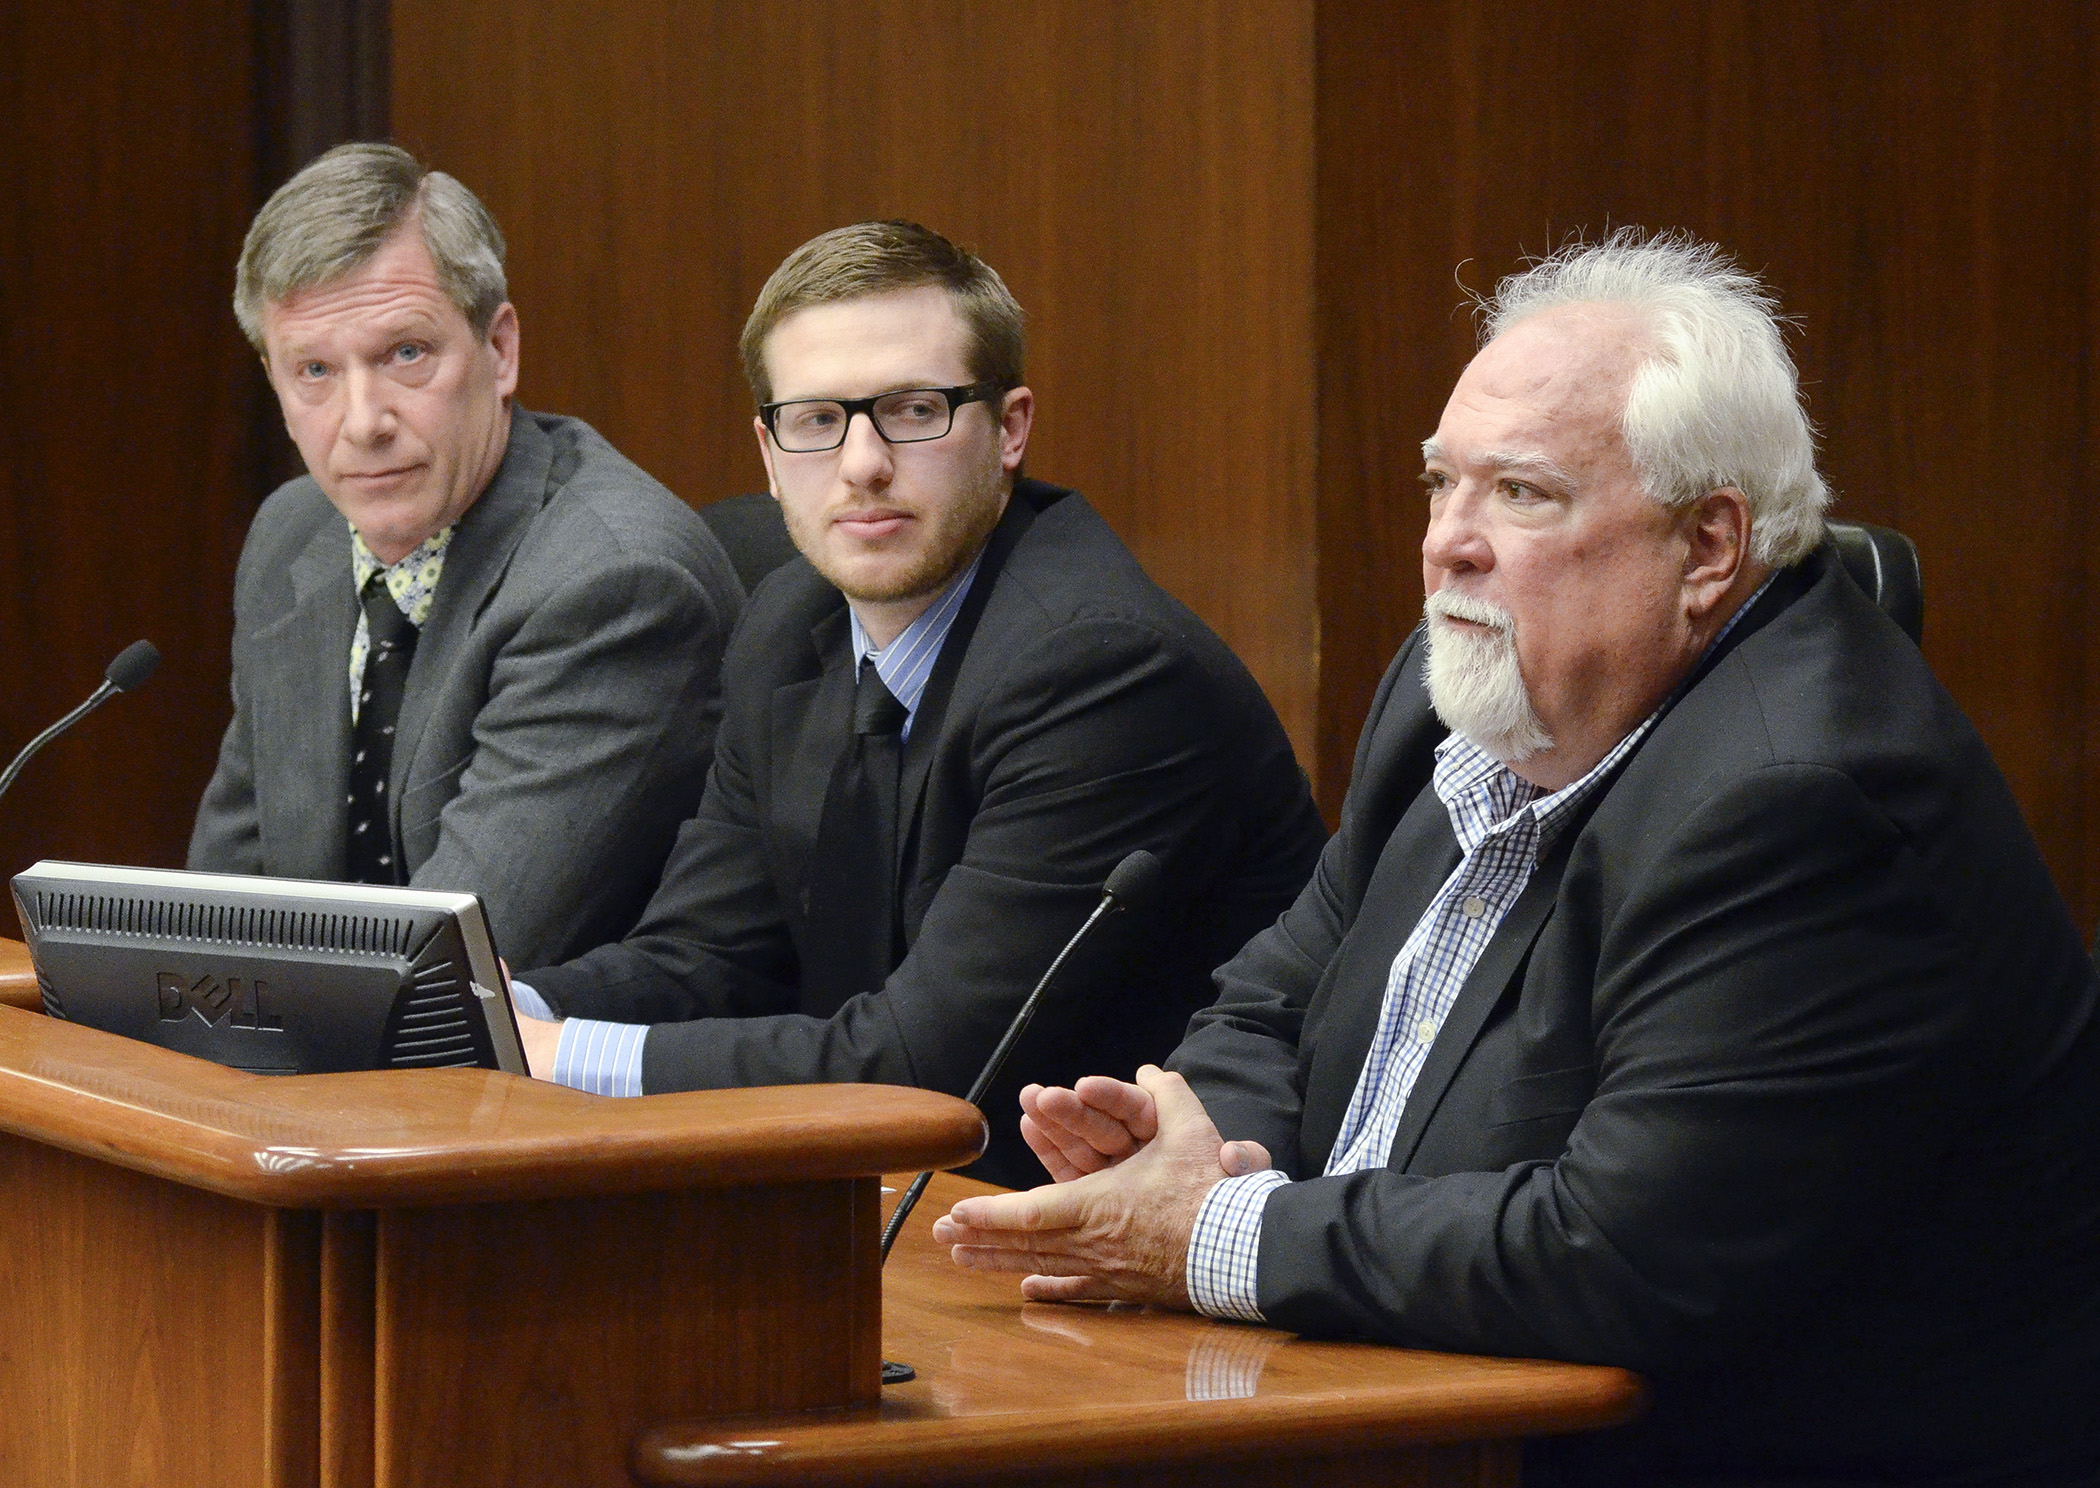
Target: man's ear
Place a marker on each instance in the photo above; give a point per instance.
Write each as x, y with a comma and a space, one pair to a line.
503, 341
1016, 418
765, 455
1717, 548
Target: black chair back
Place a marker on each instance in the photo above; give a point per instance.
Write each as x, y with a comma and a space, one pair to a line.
1884, 563
750, 529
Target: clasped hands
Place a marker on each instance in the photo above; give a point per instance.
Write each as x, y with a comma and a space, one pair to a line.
1131, 1164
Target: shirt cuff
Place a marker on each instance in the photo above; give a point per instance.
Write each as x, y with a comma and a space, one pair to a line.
600, 1058
529, 1002
1225, 1246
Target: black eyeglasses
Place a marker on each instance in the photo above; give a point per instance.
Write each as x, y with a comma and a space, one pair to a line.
909, 416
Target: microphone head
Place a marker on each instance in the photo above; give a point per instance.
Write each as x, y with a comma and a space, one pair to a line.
132, 666
1133, 880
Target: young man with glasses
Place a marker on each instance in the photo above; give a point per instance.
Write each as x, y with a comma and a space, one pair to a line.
940, 733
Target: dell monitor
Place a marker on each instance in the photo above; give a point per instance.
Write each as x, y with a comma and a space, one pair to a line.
271, 975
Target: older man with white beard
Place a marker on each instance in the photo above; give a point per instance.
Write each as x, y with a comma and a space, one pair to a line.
1683, 989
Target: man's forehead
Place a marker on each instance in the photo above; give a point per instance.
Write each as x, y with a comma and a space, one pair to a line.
872, 343
1549, 387
395, 289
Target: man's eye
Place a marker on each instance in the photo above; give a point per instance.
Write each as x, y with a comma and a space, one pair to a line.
919, 409
409, 351
313, 369
1434, 481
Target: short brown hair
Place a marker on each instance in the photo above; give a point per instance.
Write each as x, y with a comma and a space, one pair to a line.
328, 220
872, 258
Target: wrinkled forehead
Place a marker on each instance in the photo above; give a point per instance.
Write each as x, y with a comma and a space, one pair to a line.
1553, 385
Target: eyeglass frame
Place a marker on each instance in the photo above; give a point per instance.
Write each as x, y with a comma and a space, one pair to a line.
956, 398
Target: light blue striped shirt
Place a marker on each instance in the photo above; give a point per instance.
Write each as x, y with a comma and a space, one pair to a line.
1504, 825
606, 1058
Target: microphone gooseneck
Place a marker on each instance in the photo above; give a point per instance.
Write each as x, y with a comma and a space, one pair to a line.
127, 672
1129, 885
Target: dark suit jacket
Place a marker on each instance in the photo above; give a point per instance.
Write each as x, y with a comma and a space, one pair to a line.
1781, 1083
1076, 713
560, 711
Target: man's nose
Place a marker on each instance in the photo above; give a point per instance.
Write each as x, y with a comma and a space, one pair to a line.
368, 415
865, 459
1455, 539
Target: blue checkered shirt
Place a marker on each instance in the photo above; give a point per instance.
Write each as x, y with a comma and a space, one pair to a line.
1504, 825
606, 1058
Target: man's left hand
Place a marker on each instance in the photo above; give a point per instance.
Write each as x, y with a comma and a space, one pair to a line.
541, 1037
1121, 1234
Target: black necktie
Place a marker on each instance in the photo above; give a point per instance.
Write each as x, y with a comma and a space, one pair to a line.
393, 647
853, 886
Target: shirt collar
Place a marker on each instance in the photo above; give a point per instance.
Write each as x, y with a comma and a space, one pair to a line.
1485, 796
906, 664
413, 580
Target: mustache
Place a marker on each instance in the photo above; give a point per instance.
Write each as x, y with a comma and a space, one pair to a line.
1449, 604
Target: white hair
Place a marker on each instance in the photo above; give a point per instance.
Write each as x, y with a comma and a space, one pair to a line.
1715, 401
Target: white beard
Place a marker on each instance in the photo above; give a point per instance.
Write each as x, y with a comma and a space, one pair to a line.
1474, 682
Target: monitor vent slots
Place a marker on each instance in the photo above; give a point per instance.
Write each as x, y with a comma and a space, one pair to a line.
431, 1028
225, 924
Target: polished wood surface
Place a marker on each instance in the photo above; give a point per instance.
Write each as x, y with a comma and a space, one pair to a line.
213, 1280
128, 143
1917, 184
1013, 1392
18, 977
155, 1334
1141, 175
530, 1315
394, 1137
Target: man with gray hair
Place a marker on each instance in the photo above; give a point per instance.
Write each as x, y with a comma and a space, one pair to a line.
1683, 990
474, 648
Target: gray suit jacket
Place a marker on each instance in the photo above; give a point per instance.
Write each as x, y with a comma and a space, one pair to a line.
560, 712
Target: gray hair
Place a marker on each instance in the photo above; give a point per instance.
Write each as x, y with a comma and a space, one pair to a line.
1716, 400
328, 220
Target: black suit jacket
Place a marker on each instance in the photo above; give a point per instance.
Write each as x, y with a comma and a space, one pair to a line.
1076, 713
1781, 1082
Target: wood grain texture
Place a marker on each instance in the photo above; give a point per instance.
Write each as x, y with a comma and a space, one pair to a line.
571, 1323
127, 139
1010, 1393
392, 1137
1140, 175
156, 1336
1915, 181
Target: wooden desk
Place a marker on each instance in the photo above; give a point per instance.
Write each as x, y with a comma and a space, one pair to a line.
211, 1279
1015, 1393
18, 977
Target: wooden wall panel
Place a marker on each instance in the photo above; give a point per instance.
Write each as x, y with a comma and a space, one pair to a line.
126, 408
1916, 182
1141, 175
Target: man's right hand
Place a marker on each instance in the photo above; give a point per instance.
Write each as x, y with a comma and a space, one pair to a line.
1094, 1125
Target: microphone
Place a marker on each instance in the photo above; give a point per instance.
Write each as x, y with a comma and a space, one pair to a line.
1128, 887
126, 673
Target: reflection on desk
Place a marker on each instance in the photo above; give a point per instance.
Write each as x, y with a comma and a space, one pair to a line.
1019, 1393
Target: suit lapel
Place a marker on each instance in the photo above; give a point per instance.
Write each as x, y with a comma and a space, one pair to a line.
302, 712
1490, 980
808, 723
475, 563
1418, 857
924, 743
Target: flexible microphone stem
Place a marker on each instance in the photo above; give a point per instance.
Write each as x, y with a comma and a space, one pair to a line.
126, 672
1132, 880
95, 700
